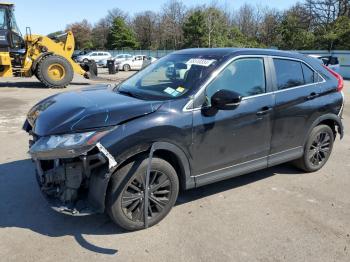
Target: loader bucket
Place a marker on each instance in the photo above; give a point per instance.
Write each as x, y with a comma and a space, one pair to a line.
90, 69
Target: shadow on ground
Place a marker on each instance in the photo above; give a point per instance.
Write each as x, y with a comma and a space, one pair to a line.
22, 205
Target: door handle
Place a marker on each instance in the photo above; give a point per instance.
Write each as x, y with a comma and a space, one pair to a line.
265, 110
313, 95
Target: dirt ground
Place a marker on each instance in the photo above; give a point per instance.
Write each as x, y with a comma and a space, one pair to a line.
279, 214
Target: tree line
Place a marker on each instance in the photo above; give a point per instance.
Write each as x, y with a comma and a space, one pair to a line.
311, 24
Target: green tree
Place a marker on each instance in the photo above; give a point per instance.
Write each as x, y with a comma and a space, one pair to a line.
236, 38
121, 36
216, 27
293, 35
336, 35
194, 30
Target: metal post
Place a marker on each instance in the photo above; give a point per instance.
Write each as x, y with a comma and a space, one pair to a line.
149, 166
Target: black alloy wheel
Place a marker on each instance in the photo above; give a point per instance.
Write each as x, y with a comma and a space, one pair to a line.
319, 149
126, 195
133, 198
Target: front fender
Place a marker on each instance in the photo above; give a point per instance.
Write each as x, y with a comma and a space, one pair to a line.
99, 182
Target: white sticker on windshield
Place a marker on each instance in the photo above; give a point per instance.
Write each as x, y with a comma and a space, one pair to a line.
169, 90
200, 62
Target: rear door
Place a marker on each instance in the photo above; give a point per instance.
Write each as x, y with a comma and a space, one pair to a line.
296, 89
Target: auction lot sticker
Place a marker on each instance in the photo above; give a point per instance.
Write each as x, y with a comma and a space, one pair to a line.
200, 62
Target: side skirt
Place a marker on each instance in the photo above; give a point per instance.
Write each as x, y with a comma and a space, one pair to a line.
248, 167
285, 156
231, 171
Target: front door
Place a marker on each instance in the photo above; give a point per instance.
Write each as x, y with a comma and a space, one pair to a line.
232, 142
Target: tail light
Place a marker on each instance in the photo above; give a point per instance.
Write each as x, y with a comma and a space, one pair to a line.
338, 77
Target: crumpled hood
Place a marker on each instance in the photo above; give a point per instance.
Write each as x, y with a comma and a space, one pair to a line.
89, 108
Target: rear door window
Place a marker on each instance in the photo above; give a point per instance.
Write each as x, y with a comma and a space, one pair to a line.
289, 73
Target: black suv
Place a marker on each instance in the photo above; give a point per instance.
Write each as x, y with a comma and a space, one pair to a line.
194, 117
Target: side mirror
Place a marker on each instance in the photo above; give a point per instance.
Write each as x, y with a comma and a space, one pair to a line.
225, 100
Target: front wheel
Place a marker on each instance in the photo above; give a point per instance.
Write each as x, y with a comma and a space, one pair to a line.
126, 196
317, 150
54, 71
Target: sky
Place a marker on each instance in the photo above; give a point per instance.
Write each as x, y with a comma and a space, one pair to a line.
47, 16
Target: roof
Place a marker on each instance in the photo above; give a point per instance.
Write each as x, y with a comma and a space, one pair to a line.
207, 51
238, 51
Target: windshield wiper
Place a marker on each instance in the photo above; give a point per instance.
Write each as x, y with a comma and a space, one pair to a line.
128, 93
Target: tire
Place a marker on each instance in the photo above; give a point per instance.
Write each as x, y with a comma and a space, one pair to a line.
126, 68
36, 74
54, 71
85, 60
317, 150
125, 197
90, 67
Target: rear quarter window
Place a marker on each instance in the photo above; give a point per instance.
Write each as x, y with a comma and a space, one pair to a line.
309, 75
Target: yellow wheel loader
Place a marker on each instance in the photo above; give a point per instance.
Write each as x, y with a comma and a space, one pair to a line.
50, 60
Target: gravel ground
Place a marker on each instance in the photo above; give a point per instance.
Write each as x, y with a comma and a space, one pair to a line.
278, 214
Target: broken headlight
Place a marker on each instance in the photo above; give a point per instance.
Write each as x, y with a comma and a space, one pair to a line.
65, 146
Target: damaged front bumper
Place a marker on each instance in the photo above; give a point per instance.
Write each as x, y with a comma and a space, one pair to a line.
76, 186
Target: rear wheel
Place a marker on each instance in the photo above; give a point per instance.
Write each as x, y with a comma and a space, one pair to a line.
317, 150
126, 197
126, 68
54, 71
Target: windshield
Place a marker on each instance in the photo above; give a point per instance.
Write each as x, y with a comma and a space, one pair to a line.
3, 24
171, 77
13, 22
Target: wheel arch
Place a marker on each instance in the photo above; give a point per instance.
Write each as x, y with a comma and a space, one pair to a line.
331, 120
178, 159
165, 150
